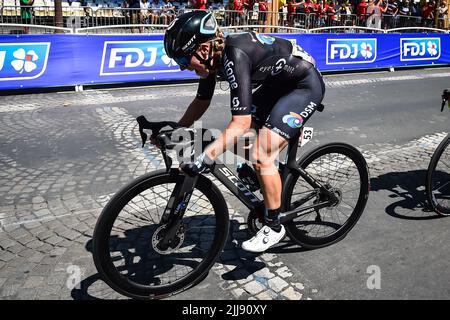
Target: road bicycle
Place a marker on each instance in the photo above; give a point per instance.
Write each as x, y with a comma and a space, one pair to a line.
162, 232
437, 183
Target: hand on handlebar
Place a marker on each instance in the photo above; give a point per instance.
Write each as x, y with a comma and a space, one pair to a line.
203, 164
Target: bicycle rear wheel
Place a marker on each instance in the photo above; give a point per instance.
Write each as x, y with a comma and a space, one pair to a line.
438, 179
125, 241
343, 170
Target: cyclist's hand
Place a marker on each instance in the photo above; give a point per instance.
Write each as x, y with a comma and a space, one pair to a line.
203, 164
155, 142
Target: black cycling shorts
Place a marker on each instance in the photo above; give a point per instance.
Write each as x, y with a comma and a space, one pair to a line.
285, 110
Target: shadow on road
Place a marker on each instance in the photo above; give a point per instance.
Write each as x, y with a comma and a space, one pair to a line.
409, 189
137, 260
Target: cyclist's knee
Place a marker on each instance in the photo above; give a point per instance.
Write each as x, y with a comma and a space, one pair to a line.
264, 165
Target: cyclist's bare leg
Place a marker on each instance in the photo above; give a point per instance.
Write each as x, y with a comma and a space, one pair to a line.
267, 148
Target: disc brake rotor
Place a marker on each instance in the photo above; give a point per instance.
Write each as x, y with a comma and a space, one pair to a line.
159, 235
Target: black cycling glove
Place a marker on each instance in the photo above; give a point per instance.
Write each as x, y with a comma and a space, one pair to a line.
203, 164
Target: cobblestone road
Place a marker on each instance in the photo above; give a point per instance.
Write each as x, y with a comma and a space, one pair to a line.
63, 155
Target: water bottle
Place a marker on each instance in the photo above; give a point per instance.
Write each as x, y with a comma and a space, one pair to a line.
248, 176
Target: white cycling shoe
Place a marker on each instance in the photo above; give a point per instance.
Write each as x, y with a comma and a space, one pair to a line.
264, 239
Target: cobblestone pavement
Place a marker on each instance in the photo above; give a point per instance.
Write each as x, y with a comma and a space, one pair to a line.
63, 156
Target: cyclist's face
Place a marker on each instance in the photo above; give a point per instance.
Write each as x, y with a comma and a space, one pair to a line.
195, 65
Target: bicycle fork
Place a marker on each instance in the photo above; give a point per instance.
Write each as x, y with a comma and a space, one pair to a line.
176, 207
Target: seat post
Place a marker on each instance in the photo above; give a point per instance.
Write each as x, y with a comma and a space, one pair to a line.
291, 161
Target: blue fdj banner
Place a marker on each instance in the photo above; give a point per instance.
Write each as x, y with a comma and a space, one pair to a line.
31, 61
23, 61
366, 51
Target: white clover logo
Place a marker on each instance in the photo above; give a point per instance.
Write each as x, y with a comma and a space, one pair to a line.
432, 48
366, 50
168, 61
24, 61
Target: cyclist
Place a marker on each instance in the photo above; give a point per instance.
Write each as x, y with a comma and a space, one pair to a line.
290, 90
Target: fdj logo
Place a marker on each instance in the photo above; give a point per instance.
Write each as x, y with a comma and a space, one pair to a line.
23, 61
416, 49
349, 51
135, 57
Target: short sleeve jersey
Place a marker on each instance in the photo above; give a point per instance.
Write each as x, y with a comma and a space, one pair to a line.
253, 58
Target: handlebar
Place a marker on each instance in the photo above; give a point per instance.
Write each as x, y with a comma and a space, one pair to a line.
156, 127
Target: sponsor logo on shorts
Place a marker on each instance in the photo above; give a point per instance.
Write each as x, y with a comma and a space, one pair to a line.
280, 132
293, 120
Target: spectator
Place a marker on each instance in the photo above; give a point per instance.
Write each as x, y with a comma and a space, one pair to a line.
144, 13
374, 11
330, 12
240, 15
390, 16
428, 14
443, 8
282, 10
200, 4
26, 13
292, 8
262, 13
154, 11
126, 13
361, 11
168, 12
252, 11
135, 6
347, 13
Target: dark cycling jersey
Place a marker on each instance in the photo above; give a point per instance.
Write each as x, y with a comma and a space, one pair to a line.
281, 68
254, 58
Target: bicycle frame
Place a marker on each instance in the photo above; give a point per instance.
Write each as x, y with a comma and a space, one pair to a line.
251, 201
181, 194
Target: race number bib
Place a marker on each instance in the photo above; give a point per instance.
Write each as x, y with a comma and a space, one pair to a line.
306, 136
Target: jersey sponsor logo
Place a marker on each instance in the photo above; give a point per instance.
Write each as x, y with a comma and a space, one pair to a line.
419, 49
293, 120
229, 72
349, 51
279, 66
135, 57
235, 102
23, 61
308, 110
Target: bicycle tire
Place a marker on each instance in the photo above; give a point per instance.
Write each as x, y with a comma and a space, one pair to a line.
103, 238
434, 174
304, 237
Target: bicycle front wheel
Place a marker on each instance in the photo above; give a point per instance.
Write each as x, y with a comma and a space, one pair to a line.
438, 179
126, 238
343, 170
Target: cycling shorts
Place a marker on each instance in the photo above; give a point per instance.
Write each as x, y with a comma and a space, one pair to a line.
285, 110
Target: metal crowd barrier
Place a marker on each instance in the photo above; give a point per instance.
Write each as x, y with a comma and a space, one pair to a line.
125, 20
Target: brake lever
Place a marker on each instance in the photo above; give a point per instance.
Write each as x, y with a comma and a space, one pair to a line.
155, 127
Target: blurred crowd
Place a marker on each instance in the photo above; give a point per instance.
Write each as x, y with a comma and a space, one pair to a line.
369, 13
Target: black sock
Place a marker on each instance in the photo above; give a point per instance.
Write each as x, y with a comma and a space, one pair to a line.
272, 219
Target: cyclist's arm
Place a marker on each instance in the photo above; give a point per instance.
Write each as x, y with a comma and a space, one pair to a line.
195, 110
201, 102
235, 129
238, 70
